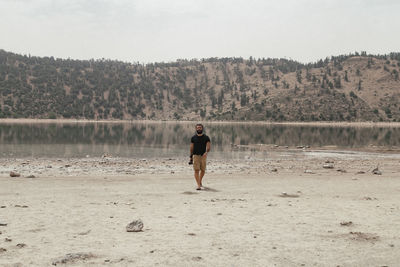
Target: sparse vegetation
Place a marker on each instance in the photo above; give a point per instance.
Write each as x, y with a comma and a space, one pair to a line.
213, 88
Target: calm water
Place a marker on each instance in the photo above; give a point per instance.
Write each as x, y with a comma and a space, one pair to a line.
168, 139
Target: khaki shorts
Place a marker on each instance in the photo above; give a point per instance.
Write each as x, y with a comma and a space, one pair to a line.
199, 163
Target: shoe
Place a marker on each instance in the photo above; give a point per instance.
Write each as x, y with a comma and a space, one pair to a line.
198, 188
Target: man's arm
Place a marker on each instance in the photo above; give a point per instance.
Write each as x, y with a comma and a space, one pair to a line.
191, 149
208, 147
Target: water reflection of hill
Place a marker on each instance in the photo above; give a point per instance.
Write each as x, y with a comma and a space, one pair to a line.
165, 135
346, 137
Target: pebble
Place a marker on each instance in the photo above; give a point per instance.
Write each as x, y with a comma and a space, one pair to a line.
327, 166
346, 223
135, 226
376, 171
14, 174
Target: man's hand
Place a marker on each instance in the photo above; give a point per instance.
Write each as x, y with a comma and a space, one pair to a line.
205, 154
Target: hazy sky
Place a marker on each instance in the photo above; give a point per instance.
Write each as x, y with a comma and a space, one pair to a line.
166, 30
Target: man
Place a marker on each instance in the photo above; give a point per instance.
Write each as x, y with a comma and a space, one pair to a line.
199, 147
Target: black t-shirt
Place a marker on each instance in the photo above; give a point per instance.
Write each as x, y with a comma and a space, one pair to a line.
200, 143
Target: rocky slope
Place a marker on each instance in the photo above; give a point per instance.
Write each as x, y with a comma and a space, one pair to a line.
355, 87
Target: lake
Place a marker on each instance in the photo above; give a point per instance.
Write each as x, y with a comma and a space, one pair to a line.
171, 139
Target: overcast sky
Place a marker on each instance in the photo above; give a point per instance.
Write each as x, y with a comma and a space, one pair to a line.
166, 30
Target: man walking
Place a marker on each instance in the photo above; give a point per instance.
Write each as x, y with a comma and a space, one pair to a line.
199, 147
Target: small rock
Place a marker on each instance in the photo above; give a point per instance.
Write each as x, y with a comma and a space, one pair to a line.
3, 224
15, 174
308, 171
84, 233
197, 258
21, 206
8, 239
360, 172
341, 170
284, 194
376, 171
329, 161
299, 147
274, 170
2, 207
346, 223
3, 250
328, 166
31, 176
67, 165
21, 245
49, 166
135, 226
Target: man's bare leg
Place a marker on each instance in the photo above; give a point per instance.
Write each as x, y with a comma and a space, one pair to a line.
197, 177
201, 177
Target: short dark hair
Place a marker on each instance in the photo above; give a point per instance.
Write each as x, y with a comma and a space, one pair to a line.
199, 124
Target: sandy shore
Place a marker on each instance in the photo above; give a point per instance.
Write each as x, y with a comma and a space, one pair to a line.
284, 211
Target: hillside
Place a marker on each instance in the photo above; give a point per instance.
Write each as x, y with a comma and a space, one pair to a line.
356, 87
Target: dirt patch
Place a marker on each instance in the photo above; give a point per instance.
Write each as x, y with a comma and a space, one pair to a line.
73, 257
359, 236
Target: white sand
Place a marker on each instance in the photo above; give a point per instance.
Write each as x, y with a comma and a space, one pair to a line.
240, 221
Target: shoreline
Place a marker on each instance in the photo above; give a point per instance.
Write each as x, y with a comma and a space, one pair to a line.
293, 123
